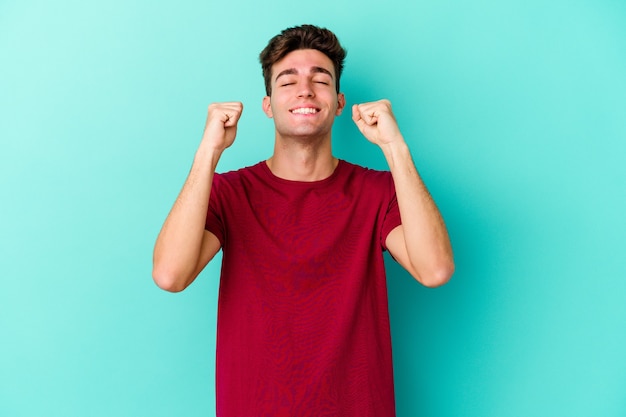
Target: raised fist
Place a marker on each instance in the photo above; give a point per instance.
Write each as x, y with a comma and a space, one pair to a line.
376, 122
221, 124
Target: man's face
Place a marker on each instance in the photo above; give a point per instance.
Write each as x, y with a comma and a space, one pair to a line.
304, 100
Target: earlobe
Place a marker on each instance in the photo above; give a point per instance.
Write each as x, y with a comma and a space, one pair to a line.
267, 106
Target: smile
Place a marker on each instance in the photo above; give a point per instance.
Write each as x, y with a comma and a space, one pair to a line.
304, 110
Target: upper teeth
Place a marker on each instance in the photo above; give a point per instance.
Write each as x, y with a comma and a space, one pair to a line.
304, 110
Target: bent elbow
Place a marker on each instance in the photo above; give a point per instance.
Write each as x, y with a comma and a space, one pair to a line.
167, 281
438, 276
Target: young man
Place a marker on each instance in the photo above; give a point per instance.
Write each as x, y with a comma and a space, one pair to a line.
303, 326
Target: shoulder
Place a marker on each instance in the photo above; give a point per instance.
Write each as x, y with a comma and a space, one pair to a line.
366, 175
240, 175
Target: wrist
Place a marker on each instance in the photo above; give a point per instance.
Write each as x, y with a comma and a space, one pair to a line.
208, 156
395, 151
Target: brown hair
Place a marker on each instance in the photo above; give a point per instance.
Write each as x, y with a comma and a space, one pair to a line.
301, 37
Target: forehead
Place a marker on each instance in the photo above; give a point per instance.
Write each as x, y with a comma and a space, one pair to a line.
303, 60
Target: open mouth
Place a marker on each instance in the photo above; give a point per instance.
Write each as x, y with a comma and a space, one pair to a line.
304, 110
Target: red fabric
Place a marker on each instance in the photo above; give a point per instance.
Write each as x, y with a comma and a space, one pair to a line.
303, 323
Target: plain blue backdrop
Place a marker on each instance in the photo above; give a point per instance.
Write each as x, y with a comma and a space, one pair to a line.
515, 112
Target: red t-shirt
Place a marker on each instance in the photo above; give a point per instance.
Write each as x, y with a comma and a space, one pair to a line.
303, 323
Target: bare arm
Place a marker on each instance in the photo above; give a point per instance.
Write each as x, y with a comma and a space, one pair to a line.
421, 244
183, 247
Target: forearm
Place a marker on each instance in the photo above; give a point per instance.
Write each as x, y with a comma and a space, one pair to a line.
178, 247
425, 235
183, 247
421, 243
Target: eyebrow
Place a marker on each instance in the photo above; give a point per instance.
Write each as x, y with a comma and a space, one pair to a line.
293, 71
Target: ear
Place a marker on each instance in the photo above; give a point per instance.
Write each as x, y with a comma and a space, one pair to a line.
341, 103
267, 106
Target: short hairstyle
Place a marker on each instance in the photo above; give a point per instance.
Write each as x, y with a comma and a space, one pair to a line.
302, 37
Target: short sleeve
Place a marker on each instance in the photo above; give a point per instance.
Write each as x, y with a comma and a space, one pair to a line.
214, 222
392, 215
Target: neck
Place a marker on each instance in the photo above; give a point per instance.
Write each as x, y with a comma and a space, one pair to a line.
302, 160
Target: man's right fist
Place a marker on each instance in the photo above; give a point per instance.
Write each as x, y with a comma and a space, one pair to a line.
221, 124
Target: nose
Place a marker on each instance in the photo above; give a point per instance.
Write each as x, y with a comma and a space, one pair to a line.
306, 89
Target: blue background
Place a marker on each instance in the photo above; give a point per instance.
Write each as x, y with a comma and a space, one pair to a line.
515, 112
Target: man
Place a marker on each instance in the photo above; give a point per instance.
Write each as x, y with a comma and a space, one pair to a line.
303, 326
